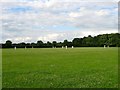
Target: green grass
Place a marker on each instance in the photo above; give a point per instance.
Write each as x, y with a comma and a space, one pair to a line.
60, 68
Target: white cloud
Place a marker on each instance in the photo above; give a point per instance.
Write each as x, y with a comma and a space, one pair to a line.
40, 21
62, 0
75, 14
102, 13
49, 37
116, 9
20, 39
94, 32
50, 3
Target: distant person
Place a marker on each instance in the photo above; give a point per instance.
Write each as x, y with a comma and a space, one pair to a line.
15, 48
66, 47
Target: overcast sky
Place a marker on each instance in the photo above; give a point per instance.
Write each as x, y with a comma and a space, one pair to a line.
49, 20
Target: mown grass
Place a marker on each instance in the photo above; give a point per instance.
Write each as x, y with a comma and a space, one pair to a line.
60, 68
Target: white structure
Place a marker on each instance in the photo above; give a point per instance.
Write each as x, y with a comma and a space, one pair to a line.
66, 47
25, 47
62, 47
104, 46
15, 48
72, 47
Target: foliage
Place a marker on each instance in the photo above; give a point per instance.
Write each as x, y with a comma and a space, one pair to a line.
112, 40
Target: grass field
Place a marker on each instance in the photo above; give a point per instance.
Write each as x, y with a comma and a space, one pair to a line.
60, 68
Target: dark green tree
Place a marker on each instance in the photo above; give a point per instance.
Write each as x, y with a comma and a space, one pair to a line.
65, 43
8, 44
40, 43
49, 44
77, 42
54, 43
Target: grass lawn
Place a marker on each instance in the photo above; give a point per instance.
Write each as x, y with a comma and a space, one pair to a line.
60, 68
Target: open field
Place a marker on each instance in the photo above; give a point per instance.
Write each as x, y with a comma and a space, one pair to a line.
60, 68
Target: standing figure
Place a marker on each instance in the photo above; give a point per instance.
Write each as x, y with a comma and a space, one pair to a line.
15, 47
104, 46
72, 47
66, 47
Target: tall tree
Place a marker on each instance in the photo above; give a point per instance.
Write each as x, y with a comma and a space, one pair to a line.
49, 44
39, 43
77, 42
8, 44
65, 43
54, 43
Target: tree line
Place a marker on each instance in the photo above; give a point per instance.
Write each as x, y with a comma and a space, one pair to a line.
112, 40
